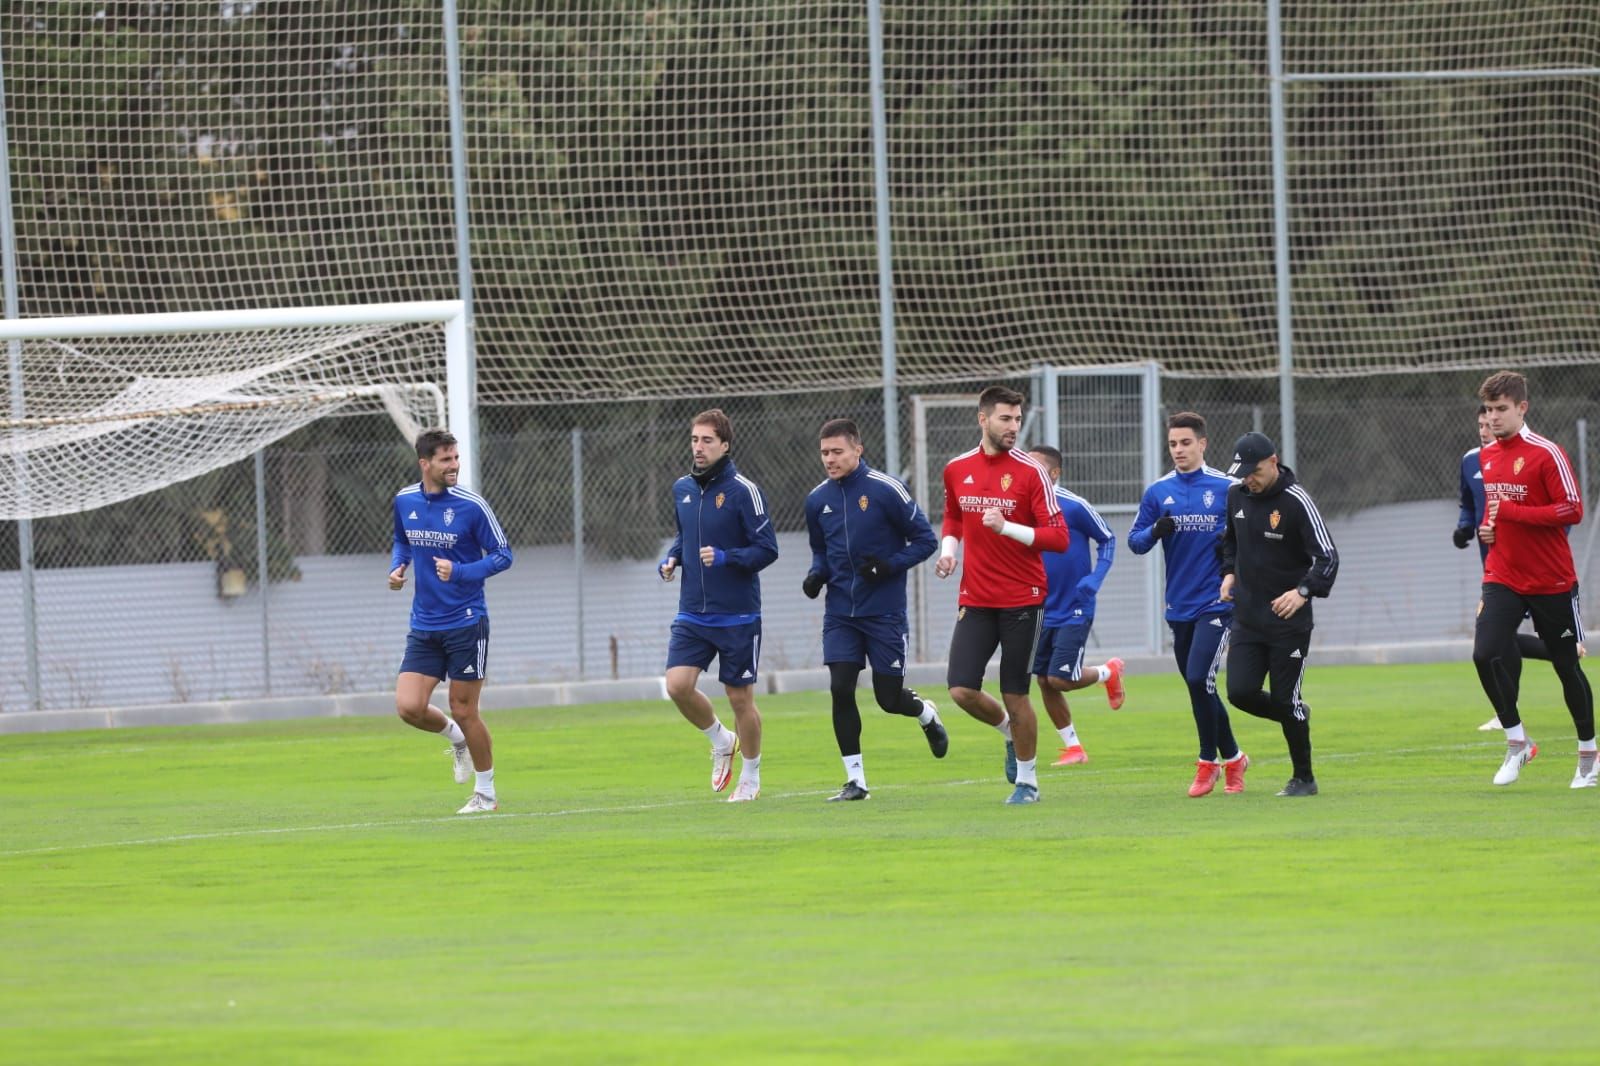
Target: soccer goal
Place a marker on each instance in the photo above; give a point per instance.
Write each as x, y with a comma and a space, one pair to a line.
104, 408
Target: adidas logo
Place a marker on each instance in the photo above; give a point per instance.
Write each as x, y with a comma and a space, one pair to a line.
827, 508
967, 480
896, 665
1478, 475
1239, 513
1295, 654
746, 674
686, 498
1217, 622
412, 516
1167, 500
468, 670
1565, 633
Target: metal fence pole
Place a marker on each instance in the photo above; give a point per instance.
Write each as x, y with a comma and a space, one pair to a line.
577, 535
458, 185
13, 309
1583, 460
880, 190
263, 581
1280, 234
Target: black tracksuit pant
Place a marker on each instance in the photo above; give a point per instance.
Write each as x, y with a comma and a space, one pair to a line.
1280, 660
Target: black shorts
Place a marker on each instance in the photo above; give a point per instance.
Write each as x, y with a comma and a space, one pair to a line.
979, 631
1556, 618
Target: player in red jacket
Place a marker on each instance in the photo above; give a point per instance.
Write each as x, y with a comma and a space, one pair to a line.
1532, 497
1000, 505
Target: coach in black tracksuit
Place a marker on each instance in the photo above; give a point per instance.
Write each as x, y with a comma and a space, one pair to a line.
1276, 556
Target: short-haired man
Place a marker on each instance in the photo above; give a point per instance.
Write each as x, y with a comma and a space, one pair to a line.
1276, 556
1468, 519
453, 537
1000, 507
722, 522
1073, 585
1532, 499
866, 531
1184, 512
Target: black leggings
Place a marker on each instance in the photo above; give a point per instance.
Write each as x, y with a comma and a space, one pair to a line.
888, 689
1497, 654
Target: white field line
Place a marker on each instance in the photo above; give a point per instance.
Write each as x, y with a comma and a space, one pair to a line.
632, 808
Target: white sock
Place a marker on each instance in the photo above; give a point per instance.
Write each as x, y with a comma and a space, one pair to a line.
928, 714
1587, 745
719, 736
1005, 726
1104, 673
854, 770
485, 783
1516, 733
452, 732
1236, 757
1026, 772
751, 770
1069, 735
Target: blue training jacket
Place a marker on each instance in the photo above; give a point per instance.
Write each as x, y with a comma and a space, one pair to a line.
1472, 501
866, 512
458, 525
1072, 582
725, 510
1198, 504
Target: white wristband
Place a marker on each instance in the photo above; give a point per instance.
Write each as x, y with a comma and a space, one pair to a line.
1020, 534
947, 547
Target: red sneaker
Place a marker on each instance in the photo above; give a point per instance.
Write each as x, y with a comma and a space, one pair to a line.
1233, 770
1071, 756
1205, 778
1115, 693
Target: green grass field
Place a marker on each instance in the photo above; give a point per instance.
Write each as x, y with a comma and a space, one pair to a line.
301, 892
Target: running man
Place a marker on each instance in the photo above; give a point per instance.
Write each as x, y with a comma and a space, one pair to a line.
866, 531
1069, 612
1184, 512
452, 536
1532, 499
1000, 508
722, 522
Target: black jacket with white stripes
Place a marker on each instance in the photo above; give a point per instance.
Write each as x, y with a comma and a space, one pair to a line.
1272, 543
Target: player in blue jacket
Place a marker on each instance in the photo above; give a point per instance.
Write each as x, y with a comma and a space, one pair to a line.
724, 527
452, 536
866, 532
1185, 512
1071, 587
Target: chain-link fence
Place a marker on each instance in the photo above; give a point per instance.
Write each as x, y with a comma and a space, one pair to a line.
160, 599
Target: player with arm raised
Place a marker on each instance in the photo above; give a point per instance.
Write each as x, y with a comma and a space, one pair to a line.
450, 537
724, 528
1001, 510
866, 531
1069, 612
1532, 499
1184, 513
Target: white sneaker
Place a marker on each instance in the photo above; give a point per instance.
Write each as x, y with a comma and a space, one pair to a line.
746, 791
1517, 756
1591, 778
722, 766
463, 763
480, 804
1492, 723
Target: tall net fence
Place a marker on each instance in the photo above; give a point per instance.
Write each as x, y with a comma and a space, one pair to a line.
673, 204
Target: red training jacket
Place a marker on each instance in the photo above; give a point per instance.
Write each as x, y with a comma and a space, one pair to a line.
1539, 498
997, 571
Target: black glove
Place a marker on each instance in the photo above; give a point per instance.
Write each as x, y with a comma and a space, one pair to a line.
1163, 526
1462, 536
873, 568
813, 584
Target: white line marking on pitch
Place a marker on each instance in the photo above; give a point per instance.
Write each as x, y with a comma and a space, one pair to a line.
226, 834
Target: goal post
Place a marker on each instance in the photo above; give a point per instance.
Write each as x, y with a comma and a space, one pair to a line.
103, 408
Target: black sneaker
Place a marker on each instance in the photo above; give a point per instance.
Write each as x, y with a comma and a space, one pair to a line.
938, 738
1299, 786
850, 791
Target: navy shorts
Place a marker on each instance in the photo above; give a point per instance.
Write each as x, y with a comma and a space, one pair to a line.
881, 640
459, 654
1060, 651
736, 648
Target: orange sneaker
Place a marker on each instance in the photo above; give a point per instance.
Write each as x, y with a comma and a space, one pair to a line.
1205, 778
1071, 756
1115, 693
1233, 772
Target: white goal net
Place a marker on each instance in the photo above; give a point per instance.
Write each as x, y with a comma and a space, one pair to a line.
97, 410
